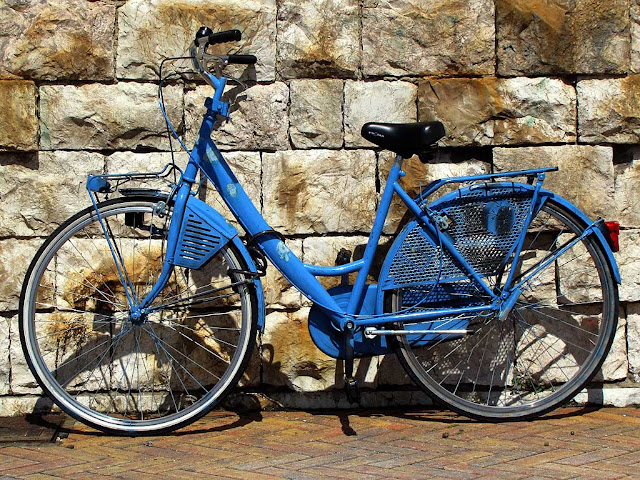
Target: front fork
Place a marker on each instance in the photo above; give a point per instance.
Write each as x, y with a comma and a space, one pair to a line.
140, 308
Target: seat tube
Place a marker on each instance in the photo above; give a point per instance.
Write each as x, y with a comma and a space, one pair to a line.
355, 302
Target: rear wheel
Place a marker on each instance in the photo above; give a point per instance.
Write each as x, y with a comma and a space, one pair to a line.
547, 348
118, 373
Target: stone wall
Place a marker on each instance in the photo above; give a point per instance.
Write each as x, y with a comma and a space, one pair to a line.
517, 84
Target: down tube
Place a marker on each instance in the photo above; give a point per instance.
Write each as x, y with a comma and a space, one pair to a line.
214, 166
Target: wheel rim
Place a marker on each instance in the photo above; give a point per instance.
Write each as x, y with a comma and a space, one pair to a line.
547, 347
119, 373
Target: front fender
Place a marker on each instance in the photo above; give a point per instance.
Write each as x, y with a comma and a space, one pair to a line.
251, 265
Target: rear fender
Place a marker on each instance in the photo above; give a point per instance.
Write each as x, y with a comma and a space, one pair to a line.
544, 195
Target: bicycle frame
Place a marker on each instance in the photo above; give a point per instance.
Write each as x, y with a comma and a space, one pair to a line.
206, 157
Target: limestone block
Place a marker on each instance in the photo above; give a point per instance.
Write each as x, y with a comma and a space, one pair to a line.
376, 102
132, 162
445, 164
585, 177
609, 110
66, 339
541, 287
616, 365
127, 162
22, 380
278, 292
15, 257
5, 361
18, 121
316, 113
633, 339
554, 37
319, 191
495, 111
292, 360
96, 117
290, 357
390, 372
629, 264
259, 119
11, 406
576, 276
626, 191
57, 39
149, 31
635, 36
439, 37
554, 347
41, 194
324, 250
318, 38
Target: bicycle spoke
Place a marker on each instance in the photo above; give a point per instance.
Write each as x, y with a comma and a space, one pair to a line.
553, 339
88, 264
164, 345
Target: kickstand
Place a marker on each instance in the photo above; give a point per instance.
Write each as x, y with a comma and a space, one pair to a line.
350, 384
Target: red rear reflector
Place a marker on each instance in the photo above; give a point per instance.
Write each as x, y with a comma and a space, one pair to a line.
614, 234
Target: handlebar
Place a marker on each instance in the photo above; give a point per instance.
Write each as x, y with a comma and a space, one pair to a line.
223, 37
210, 67
206, 37
241, 59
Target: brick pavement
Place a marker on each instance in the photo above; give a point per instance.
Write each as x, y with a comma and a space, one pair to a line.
571, 443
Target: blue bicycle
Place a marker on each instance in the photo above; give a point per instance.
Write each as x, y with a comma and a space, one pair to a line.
140, 313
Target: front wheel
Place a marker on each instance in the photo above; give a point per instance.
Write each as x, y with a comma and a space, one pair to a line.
546, 349
116, 372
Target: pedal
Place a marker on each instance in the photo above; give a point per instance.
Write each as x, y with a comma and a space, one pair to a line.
350, 385
351, 389
343, 257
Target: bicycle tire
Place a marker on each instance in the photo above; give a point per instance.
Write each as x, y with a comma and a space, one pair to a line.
117, 375
549, 346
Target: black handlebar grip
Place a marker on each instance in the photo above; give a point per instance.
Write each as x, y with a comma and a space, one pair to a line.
242, 59
226, 36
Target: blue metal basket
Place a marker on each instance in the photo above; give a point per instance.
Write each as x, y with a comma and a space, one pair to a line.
484, 226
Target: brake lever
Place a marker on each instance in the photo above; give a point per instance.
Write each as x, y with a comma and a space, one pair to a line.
201, 61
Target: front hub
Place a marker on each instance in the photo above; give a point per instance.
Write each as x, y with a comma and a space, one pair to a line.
137, 316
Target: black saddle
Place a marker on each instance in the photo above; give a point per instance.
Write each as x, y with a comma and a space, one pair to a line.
405, 139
